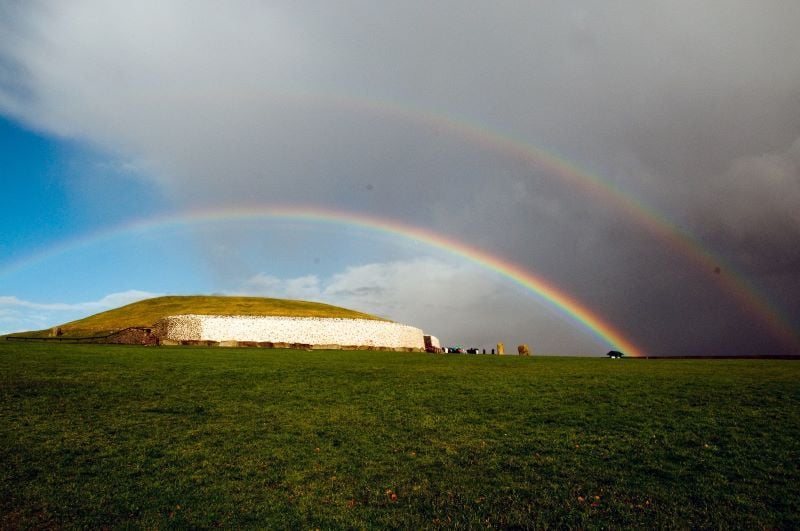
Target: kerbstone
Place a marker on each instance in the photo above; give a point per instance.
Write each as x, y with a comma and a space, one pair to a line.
306, 331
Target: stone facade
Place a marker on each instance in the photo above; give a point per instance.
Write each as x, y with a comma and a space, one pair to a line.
288, 331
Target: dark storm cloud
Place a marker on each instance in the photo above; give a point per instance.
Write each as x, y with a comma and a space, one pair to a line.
693, 108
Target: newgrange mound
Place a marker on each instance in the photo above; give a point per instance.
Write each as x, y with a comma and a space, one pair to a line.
237, 321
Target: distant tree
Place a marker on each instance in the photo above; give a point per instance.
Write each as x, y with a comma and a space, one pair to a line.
614, 354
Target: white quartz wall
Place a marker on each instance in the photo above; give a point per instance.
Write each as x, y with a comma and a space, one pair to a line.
305, 330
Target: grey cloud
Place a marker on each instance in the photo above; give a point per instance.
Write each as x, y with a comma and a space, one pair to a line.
689, 107
760, 195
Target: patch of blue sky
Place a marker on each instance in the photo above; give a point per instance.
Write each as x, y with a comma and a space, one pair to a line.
57, 192
164, 263
33, 194
298, 248
183, 259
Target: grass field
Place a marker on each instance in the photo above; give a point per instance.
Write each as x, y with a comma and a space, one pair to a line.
94, 436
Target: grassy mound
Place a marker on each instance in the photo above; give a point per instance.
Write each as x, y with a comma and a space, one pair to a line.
147, 312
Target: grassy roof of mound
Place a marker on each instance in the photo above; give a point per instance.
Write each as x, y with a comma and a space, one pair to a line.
145, 313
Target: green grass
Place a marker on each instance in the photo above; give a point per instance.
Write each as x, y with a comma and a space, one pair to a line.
147, 312
119, 436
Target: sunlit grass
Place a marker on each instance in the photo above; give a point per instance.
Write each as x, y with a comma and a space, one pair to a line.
98, 435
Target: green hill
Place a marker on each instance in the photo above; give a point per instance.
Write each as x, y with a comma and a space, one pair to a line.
147, 312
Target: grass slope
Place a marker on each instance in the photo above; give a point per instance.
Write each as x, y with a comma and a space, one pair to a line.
100, 436
147, 312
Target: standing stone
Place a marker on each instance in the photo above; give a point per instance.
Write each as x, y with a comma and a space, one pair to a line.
501, 349
523, 350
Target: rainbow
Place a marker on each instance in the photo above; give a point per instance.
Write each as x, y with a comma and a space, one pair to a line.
556, 298
682, 243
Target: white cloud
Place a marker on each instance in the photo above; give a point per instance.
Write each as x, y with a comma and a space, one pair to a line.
384, 288
458, 302
403, 286
18, 315
301, 288
112, 300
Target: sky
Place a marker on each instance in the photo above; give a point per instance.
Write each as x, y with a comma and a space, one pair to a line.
641, 159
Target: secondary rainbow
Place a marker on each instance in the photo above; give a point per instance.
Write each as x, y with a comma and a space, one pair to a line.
548, 292
721, 272
680, 241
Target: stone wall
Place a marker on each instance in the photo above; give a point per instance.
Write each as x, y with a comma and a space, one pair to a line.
432, 343
132, 336
310, 331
